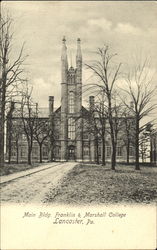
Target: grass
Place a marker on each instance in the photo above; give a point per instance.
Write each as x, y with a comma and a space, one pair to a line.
14, 168
96, 184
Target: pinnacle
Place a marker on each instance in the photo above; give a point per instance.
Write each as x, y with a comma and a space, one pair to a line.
64, 40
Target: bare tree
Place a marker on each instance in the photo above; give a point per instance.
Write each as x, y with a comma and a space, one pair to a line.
10, 75
143, 146
129, 136
41, 132
94, 131
10, 130
17, 131
100, 122
107, 73
29, 117
141, 91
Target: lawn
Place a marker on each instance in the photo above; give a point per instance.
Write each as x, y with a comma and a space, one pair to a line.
14, 168
96, 184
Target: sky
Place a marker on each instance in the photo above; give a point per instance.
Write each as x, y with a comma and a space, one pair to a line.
128, 27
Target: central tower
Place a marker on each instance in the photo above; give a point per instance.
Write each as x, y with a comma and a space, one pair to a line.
71, 105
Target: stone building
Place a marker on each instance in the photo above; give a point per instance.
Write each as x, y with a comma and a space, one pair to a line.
16, 135
71, 136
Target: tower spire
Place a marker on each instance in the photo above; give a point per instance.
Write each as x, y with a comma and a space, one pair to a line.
64, 61
78, 54
71, 61
64, 51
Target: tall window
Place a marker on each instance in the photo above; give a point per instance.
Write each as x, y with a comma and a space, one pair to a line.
23, 151
35, 152
119, 151
131, 151
71, 102
45, 152
86, 151
71, 128
13, 152
108, 151
99, 150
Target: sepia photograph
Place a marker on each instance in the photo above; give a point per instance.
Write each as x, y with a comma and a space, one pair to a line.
78, 122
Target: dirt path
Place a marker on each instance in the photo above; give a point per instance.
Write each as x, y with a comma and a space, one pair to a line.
32, 189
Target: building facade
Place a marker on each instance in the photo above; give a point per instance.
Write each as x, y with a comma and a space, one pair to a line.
71, 136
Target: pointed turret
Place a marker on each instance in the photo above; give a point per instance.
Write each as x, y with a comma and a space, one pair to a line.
64, 50
79, 54
79, 61
79, 74
64, 101
79, 100
64, 60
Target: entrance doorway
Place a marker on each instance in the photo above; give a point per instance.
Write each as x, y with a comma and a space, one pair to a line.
71, 153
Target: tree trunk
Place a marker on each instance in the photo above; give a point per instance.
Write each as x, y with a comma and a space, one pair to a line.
128, 151
113, 158
103, 150
137, 166
2, 112
29, 155
9, 141
151, 151
113, 163
40, 148
17, 154
2, 138
90, 150
142, 156
97, 150
17, 151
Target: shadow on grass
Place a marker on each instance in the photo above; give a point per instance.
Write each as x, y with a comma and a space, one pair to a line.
14, 168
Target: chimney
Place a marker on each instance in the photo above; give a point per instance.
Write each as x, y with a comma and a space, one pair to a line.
91, 102
51, 105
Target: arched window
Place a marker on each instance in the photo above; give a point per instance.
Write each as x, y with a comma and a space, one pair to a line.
71, 102
71, 128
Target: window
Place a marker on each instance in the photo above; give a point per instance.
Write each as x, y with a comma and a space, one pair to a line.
23, 151
108, 151
45, 152
71, 128
57, 136
119, 151
85, 136
57, 150
23, 137
13, 152
131, 151
35, 152
86, 151
71, 102
99, 150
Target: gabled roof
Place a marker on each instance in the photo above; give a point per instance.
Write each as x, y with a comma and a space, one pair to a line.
57, 110
83, 110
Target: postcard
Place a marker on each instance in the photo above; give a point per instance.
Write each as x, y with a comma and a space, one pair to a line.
78, 125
